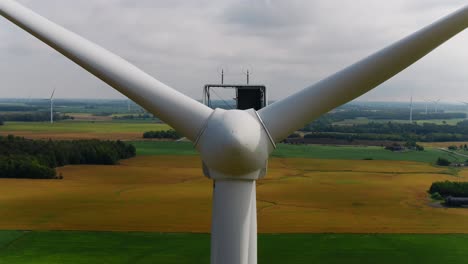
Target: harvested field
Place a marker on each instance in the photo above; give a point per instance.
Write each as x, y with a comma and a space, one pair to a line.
169, 194
80, 130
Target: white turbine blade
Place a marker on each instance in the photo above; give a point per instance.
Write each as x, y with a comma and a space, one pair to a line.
294, 112
234, 223
184, 114
52, 95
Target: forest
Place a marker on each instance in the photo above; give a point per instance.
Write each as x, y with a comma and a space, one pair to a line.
26, 158
426, 132
166, 134
32, 117
449, 188
387, 114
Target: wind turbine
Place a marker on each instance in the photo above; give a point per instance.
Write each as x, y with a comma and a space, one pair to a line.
427, 103
235, 144
411, 110
466, 110
52, 107
436, 104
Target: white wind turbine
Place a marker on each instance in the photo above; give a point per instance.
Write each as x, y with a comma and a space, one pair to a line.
427, 103
235, 144
436, 105
466, 108
411, 110
52, 107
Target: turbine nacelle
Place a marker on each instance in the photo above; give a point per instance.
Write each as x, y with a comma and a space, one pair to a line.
234, 144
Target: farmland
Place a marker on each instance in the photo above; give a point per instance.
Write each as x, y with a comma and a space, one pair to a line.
328, 204
169, 194
308, 151
81, 129
385, 216
18, 247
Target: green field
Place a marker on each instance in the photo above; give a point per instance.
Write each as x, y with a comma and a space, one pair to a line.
164, 148
82, 127
18, 247
307, 151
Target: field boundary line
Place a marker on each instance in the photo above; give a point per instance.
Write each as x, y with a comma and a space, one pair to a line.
7, 245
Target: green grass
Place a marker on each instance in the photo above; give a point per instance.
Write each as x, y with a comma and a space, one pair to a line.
21, 247
358, 153
82, 127
307, 151
164, 148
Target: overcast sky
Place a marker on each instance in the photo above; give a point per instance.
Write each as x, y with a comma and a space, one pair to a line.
288, 45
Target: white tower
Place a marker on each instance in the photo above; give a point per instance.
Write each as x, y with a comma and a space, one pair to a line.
52, 107
411, 110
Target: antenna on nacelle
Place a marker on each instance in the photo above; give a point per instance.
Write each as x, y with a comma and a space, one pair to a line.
247, 96
247, 74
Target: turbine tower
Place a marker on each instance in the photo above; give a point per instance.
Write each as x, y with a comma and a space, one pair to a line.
52, 107
235, 144
411, 110
427, 103
436, 105
466, 108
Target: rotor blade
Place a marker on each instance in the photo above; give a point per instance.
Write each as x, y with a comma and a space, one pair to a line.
52, 95
184, 114
294, 112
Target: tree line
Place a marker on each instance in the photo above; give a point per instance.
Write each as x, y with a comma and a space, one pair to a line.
448, 188
26, 158
167, 134
390, 114
17, 108
427, 132
135, 117
33, 117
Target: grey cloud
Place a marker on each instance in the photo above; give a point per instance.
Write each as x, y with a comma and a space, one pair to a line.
266, 16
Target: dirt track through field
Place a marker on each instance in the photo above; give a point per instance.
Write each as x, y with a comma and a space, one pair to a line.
169, 194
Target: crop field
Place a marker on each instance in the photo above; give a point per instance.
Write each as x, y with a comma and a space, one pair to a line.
81, 129
169, 194
318, 204
20, 247
430, 155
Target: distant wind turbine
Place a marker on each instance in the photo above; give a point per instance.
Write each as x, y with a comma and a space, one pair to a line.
411, 110
427, 103
436, 104
234, 145
466, 108
52, 107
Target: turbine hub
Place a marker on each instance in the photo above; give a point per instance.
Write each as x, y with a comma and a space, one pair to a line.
234, 144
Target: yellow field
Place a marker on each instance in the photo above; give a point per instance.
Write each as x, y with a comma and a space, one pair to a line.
169, 194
